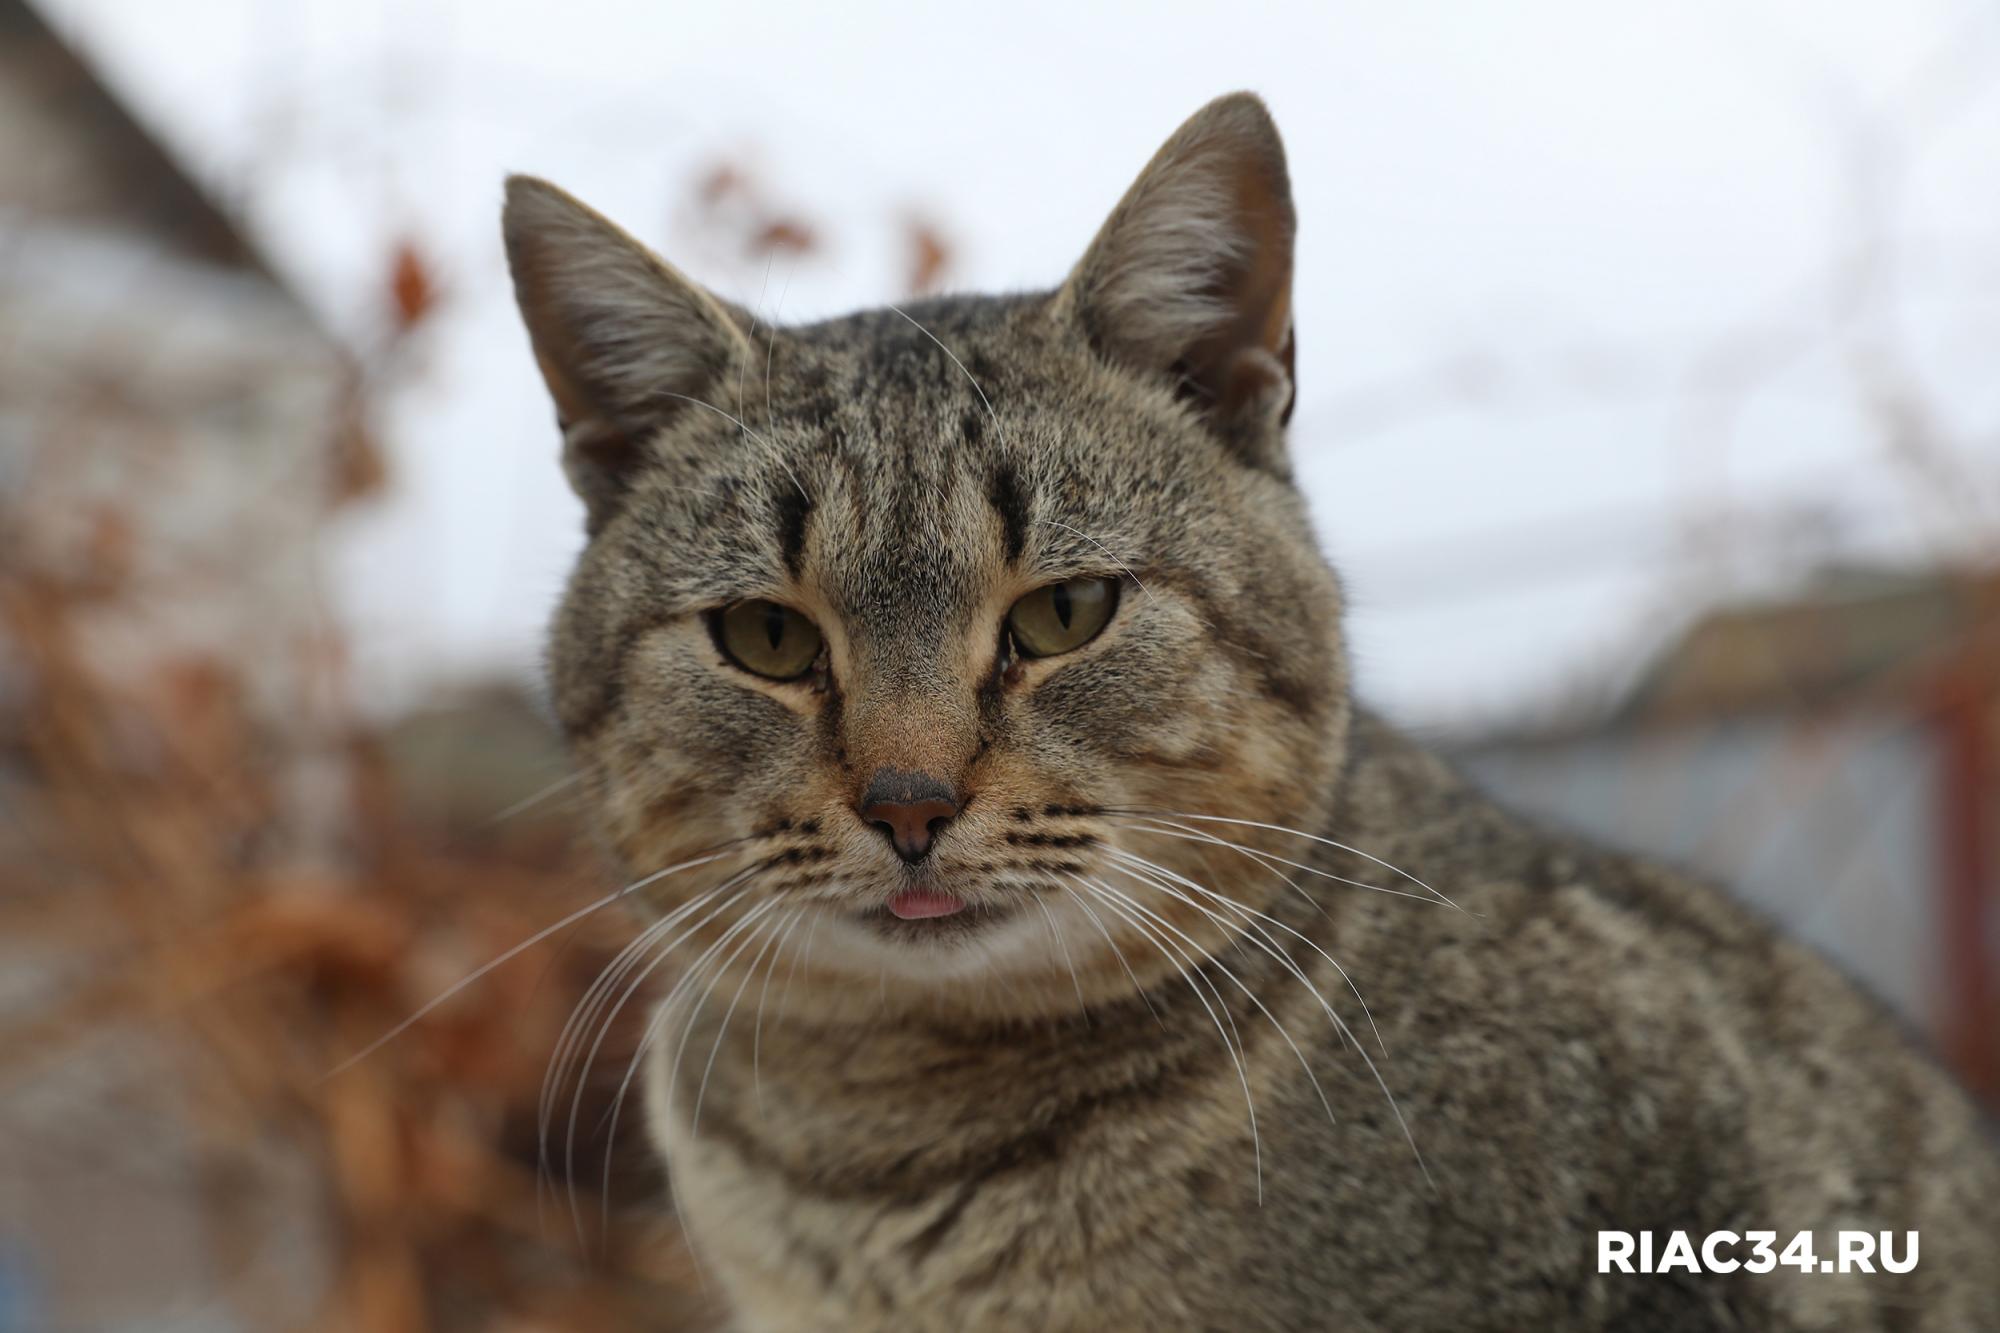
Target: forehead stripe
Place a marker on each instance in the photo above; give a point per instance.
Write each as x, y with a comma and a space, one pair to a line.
1003, 491
793, 510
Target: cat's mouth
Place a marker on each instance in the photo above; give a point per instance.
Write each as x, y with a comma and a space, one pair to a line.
930, 914
925, 904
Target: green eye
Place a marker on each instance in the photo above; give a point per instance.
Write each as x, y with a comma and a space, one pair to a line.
768, 639
1062, 616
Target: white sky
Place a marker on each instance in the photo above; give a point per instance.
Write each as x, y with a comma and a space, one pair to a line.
1578, 312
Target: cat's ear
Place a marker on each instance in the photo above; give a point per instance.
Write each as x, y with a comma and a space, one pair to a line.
624, 341
1191, 276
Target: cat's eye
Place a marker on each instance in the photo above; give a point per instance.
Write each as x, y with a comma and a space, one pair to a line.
1062, 616
768, 639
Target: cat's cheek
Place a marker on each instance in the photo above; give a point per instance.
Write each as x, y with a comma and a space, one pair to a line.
691, 756
1118, 700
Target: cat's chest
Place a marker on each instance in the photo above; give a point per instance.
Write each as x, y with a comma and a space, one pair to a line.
845, 1211
796, 1258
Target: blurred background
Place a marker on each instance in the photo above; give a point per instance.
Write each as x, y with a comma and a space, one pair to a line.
1647, 405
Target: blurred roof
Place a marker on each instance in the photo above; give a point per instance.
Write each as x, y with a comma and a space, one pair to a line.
1853, 636
69, 149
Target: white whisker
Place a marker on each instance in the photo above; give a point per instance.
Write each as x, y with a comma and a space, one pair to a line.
1300, 833
722, 1029
803, 956
743, 367
511, 954
687, 987
1253, 918
695, 970
1108, 555
1123, 962
1055, 933
1264, 859
771, 339
757, 1033
776, 456
1334, 1016
529, 802
604, 1030
1249, 994
995, 416
1174, 956
582, 1016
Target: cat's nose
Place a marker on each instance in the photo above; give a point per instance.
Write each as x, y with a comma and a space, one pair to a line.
910, 808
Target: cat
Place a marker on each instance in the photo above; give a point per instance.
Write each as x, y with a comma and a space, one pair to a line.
963, 685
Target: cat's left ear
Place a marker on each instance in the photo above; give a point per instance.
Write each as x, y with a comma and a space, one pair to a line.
1190, 278
625, 342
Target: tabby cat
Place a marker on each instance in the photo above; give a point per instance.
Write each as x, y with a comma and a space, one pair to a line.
963, 686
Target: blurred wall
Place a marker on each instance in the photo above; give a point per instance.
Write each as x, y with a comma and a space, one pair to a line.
171, 425
172, 428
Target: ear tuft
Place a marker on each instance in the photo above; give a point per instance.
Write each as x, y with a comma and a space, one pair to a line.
1190, 278
623, 339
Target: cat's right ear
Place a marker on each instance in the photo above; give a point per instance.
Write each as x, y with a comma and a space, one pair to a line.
624, 341
1190, 280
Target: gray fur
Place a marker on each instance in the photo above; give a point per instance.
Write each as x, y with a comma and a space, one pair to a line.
1038, 1122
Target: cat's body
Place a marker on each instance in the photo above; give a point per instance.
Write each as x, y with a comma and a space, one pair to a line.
1606, 1045
1040, 1059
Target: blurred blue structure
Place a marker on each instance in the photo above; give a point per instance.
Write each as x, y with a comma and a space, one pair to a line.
1831, 759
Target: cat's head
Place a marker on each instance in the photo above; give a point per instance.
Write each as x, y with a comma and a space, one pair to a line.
929, 620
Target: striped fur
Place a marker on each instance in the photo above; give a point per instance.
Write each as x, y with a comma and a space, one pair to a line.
1039, 1115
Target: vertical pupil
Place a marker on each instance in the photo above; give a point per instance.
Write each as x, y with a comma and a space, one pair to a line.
774, 624
1059, 598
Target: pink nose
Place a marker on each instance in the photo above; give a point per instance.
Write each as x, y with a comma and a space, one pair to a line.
911, 808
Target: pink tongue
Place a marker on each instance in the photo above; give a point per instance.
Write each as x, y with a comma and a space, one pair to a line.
916, 904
